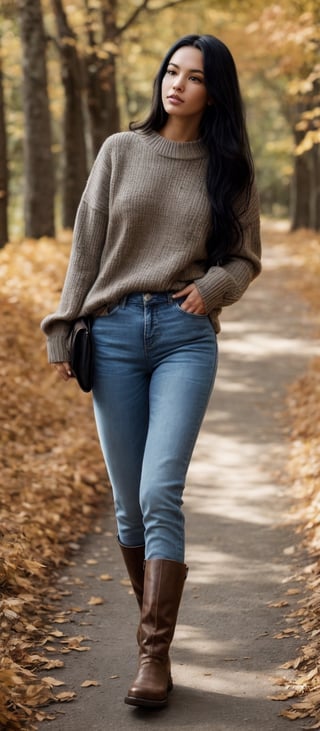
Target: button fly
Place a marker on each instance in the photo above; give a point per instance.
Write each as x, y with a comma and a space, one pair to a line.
147, 297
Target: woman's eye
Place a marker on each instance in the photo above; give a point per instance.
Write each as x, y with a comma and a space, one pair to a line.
171, 72
195, 78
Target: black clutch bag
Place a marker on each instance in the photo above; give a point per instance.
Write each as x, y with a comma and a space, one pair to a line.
81, 352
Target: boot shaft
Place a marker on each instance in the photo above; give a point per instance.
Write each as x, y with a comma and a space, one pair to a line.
133, 557
163, 587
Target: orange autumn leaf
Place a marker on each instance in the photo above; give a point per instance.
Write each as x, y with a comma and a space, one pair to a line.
89, 683
95, 601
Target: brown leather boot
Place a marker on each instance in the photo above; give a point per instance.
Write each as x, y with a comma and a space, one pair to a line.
163, 586
134, 560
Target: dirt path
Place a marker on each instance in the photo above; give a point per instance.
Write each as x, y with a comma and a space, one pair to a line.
240, 552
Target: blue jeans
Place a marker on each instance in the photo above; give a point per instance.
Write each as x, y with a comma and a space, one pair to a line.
155, 367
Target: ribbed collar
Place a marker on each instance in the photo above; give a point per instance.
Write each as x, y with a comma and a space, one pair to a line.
169, 148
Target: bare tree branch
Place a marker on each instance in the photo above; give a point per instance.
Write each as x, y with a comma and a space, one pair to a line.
145, 6
170, 4
133, 17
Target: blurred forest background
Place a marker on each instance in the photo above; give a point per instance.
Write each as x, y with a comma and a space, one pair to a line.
73, 72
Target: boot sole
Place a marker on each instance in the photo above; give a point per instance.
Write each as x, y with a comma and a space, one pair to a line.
145, 702
131, 700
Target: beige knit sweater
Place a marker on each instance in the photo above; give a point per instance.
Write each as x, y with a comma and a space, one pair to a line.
142, 226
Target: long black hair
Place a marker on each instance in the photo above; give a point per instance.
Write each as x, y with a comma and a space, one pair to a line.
223, 130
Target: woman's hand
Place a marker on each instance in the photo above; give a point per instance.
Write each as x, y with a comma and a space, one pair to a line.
63, 370
193, 302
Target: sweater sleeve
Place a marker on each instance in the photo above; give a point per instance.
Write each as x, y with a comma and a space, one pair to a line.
87, 244
224, 285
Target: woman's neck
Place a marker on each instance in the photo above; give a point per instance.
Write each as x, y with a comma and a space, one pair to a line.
178, 130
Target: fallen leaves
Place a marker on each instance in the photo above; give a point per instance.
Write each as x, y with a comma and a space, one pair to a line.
52, 682
65, 696
304, 477
90, 683
94, 601
74, 643
52, 482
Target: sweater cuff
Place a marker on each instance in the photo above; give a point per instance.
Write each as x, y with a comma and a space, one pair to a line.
211, 288
57, 349
219, 287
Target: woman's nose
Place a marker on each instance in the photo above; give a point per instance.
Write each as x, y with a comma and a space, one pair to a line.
178, 83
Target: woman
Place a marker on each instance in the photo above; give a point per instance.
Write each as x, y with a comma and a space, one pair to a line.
166, 234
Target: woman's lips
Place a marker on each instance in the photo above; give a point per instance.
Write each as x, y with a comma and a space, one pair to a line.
175, 100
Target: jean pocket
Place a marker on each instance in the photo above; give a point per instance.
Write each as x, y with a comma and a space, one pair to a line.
112, 309
179, 302
106, 311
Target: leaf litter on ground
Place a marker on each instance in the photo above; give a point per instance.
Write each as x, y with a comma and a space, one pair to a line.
303, 479
52, 484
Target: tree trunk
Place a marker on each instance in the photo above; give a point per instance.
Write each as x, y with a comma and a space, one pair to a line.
3, 167
315, 156
101, 69
305, 198
300, 189
74, 146
315, 187
39, 174
305, 208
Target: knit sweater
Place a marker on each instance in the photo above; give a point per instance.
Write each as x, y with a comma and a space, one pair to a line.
142, 226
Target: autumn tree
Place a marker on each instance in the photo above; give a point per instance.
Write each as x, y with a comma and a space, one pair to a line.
289, 46
74, 143
101, 72
306, 178
108, 52
104, 34
39, 173
3, 165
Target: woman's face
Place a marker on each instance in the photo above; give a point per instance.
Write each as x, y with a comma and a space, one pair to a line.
183, 89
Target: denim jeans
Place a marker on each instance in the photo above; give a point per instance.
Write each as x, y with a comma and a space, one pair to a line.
155, 367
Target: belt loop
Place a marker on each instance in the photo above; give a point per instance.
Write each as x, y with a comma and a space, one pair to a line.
123, 301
